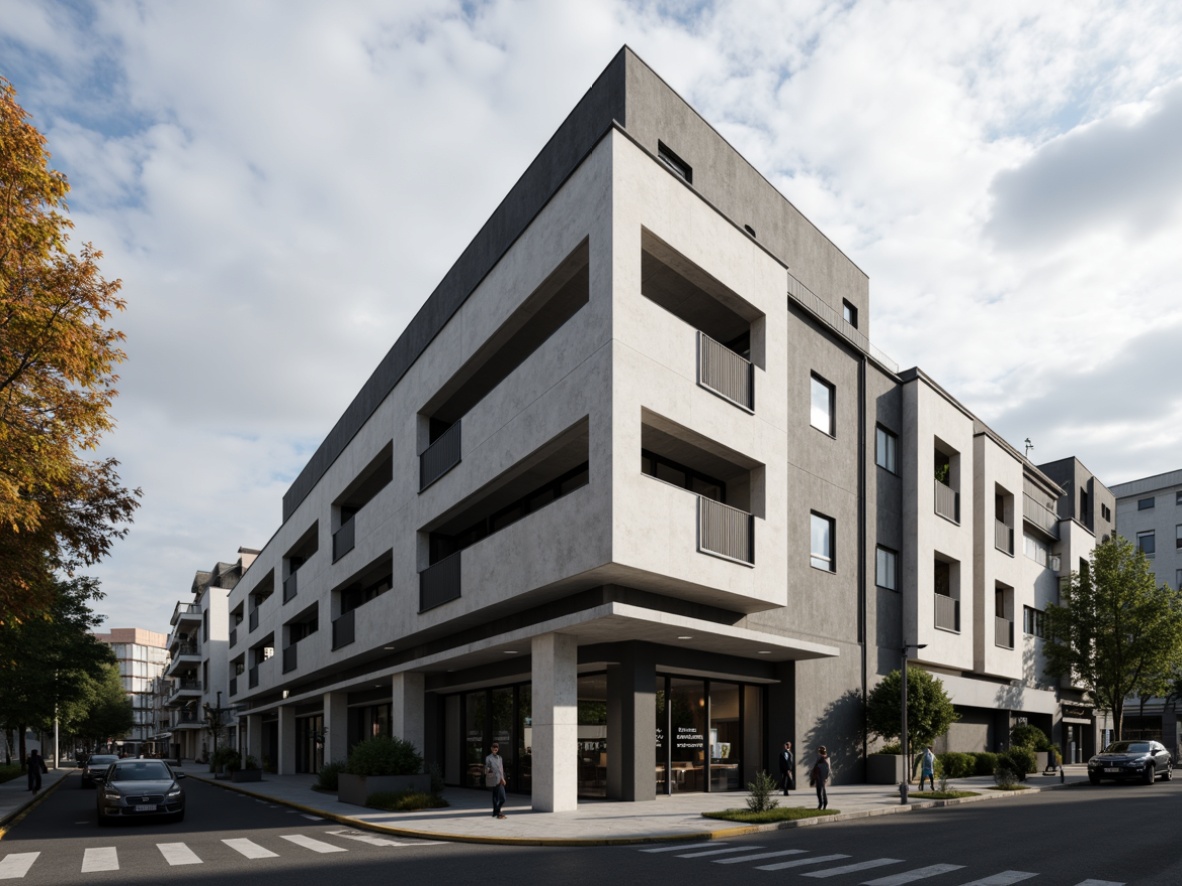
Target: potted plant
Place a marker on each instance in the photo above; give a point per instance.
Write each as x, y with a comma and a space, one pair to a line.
381, 764
886, 765
249, 771
224, 760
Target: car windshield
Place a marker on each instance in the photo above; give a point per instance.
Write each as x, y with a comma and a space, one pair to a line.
141, 770
104, 760
1128, 747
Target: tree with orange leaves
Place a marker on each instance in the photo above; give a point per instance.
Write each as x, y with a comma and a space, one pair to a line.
58, 510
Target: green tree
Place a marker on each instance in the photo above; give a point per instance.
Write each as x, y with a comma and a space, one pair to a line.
105, 712
929, 709
1117, 633
57, 355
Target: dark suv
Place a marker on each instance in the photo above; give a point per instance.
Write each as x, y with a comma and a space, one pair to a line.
96, 764
1144, 760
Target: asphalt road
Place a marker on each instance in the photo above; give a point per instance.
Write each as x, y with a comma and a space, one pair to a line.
1085, 836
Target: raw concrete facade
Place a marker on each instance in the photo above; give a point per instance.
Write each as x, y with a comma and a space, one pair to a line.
632, 445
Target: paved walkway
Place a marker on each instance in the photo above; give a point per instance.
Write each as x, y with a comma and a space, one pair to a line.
469, 816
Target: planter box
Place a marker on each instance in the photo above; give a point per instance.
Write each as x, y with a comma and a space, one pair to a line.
247, 775
355, 788
885, 769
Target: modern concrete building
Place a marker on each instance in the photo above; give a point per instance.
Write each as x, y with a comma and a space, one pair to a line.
198, 669
142, 656
634, 495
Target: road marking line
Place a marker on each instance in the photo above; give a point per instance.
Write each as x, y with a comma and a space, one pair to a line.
312, 817
759, 856
706, 852
15, 866
679, 847
178, 853
314, 845
1100, 883
379, 841
249, 848
799, 862
912, 876
105, 858
851, 868
1005, 878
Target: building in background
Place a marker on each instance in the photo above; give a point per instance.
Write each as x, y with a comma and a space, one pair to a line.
142, 657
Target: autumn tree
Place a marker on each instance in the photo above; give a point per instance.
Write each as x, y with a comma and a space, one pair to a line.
1117, 633
58, 510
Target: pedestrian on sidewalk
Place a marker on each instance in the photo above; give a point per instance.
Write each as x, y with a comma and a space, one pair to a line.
36, 767
787, 768
819, 777
927, 768
494, 777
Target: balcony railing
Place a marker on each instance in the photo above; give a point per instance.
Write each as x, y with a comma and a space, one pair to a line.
725, 531
254, 618
185, 717
947, 502
192, 649
1003, 632
252, 680
439, 582
1003, 537
343, 538
183, 610
233, 685
290, 587
343, 632
947, 612
440, 457
291, 658
726, 373
233, 637
1040, 515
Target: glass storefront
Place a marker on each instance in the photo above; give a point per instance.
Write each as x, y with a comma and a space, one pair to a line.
501, 715
592, 750
310, 743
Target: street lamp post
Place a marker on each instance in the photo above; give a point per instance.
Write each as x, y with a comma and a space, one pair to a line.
903, 785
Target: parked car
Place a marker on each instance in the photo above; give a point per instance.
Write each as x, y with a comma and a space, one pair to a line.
135, 788
1145, 760
96, 764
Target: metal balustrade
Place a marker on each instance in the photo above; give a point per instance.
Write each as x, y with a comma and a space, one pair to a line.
344, 629
1003, 537
290, 587
252, 681
291, 658
439, 582
947, 502
440, 457
726, 373
233, 637
1003, 632
344, 538
947, 612
254, 618
1040, 515
725, 531
233, 685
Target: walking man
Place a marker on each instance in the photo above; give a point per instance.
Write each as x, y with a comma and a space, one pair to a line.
494, 777
36, 767
787, 768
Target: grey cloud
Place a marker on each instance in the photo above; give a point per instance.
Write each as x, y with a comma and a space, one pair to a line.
1108, 171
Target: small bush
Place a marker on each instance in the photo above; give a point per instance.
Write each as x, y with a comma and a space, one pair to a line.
1023, 761
383, 755
957, 765
226, 758
404, 801
250, 763
986, 762
768, 816
327, 779
762, 788
1026, 736
1055, 756
8, 773
894, 748
1004, 773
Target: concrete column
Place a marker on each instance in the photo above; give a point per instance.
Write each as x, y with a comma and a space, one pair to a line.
336, 727
632, 725
254, 736
407, 699
286, 763
554, 705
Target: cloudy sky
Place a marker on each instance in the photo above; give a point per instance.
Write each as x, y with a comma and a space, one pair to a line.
281, 184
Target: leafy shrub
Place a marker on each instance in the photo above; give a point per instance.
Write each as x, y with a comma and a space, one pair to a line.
1055, 757
762, 788
954, 764
8, 773
250, 763
1023, 761
383, 755
404, 801
226, 758
1026, 736
1004, 773
893, 748
327, 778
986, 763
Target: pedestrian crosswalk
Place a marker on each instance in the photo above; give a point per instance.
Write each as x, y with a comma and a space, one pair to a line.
817, 866
17, 865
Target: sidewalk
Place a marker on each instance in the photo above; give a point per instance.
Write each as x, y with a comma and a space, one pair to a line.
603, 822
15, 797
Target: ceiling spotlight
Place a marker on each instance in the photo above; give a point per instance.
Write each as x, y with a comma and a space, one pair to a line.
685, 637
510, 652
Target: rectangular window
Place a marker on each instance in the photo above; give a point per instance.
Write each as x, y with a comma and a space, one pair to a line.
1178, 579
821, 405
680, 168
1178, 498
821, 536
1146, 543
849, 313
1034, 622
1035, 549
886, 569
1178, 536
886, 447
1106, 512
1145, 504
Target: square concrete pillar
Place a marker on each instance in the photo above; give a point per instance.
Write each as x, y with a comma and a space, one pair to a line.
286, 763
336, 727
407, 702
632, 725
554, 705
254, 736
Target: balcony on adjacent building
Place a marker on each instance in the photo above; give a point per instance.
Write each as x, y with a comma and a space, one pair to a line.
947, 613
233, 636
440, 582
185, 611
1003, 537
947, 501
1040, 515
185, 686
234, 685
253, 677
344, 538
1003, 632
344, 629
725, 372
290, 586
440, 456
725, 531
254, 618
291, 658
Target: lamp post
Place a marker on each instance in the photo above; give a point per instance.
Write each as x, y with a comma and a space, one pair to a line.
903, 786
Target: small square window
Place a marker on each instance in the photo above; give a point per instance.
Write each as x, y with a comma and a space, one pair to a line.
886, 569
1145, 504
821, 542
849, 313
886, 447
821, 405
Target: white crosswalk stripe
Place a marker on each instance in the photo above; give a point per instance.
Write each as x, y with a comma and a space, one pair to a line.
759, 856
249, 848
854, 868
374, 840
1100, 883
800, 862
309, 843
678, 847
178, 854
911, 876
105, 858
1005, 878
15, 866
706, 852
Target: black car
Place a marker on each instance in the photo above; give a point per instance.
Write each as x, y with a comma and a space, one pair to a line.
140, 789
1144, 760
96, 764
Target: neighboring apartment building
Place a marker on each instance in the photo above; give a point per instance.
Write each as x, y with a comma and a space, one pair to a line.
142, 656
198, 668
634, 496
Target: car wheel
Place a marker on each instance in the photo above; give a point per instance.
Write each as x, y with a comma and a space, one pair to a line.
1168, 775
1150, 772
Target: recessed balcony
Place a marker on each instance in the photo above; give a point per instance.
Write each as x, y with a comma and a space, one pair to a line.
185, 612
947, 501
725, 532
1003, 537
726, 373
947, 613
184, 688
440, 457
1003, 632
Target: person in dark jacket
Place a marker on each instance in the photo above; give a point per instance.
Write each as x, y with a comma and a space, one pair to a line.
36, 767
787, 768
819, 776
